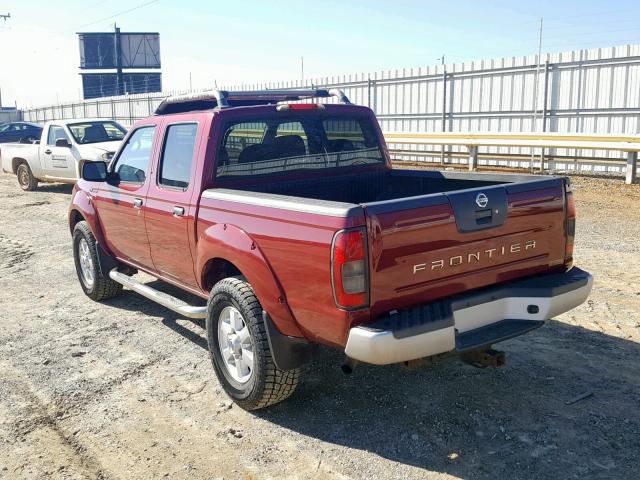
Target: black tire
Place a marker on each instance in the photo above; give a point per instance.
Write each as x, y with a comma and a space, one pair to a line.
101, 288
26, 180
267, 384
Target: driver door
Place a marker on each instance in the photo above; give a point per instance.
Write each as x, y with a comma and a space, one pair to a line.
58, 161
121, 201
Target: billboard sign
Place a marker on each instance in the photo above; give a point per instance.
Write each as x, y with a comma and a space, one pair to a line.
96, 85
97, 50
138, 50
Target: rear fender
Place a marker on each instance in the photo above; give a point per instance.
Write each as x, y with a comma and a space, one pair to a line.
33, 161
234, 245
15, 162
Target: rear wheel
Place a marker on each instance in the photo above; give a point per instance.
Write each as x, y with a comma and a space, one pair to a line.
26, 180
85, 253
239, 348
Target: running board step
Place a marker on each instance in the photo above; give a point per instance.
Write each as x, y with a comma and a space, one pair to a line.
164, 299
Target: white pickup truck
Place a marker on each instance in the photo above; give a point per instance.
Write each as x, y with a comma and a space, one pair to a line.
62, 149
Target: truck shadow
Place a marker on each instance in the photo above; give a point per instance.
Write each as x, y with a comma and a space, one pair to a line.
526, 420
129, 300
55, 188
512, 422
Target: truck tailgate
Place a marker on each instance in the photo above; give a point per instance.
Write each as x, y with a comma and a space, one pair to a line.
433, 246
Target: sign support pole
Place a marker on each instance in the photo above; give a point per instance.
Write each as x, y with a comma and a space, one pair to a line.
119, 76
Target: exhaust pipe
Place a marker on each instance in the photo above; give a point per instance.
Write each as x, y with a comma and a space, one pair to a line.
348, 365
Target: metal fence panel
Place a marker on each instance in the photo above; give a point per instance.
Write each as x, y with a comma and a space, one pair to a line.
10, 116
582, 91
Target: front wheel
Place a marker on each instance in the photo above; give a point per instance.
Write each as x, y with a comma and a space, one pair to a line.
239, 348
85, 254
26, 180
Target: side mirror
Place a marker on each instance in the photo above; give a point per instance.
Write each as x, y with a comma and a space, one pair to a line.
94, 171
63, 142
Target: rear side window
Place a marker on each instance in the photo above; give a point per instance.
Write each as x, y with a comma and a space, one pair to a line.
279, 143
177, 155
56, 133
133, 163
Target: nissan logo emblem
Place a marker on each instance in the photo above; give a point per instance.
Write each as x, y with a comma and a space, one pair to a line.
482, 200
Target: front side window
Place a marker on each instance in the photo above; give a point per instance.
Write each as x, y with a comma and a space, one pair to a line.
56, 133
133, 163
280, 143
97, 132
177, 155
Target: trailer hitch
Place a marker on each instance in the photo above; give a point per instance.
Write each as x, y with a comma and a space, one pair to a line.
349, 365
484, 357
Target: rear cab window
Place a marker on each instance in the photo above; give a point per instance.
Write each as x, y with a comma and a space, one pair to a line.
277, 143
56, 132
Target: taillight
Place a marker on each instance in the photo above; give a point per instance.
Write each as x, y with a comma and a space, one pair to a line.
570, 227
349, 269
300, 106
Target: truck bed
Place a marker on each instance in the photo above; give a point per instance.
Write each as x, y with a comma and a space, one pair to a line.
428, 238
25, 151
375, 186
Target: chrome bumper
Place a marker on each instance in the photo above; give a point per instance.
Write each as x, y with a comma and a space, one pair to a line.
469, 321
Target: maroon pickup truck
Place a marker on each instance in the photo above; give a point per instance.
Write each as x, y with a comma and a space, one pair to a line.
285, 215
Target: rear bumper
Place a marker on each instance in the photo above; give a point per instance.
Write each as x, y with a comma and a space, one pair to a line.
468, 321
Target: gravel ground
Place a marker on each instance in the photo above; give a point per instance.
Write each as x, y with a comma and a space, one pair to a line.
125, 389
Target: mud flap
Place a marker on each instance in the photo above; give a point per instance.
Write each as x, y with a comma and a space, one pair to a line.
288, 352
106, 262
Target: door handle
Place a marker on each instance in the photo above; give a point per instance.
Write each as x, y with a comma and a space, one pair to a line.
178, 211
137, 203
47, 151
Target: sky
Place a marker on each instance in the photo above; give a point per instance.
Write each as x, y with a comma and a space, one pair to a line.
253, 41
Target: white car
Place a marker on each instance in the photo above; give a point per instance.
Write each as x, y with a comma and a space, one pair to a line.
62, 149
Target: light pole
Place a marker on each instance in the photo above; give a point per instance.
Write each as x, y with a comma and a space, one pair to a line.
535, 97
444, 104
4, 17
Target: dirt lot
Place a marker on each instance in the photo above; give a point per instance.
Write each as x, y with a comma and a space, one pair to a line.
126, 390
